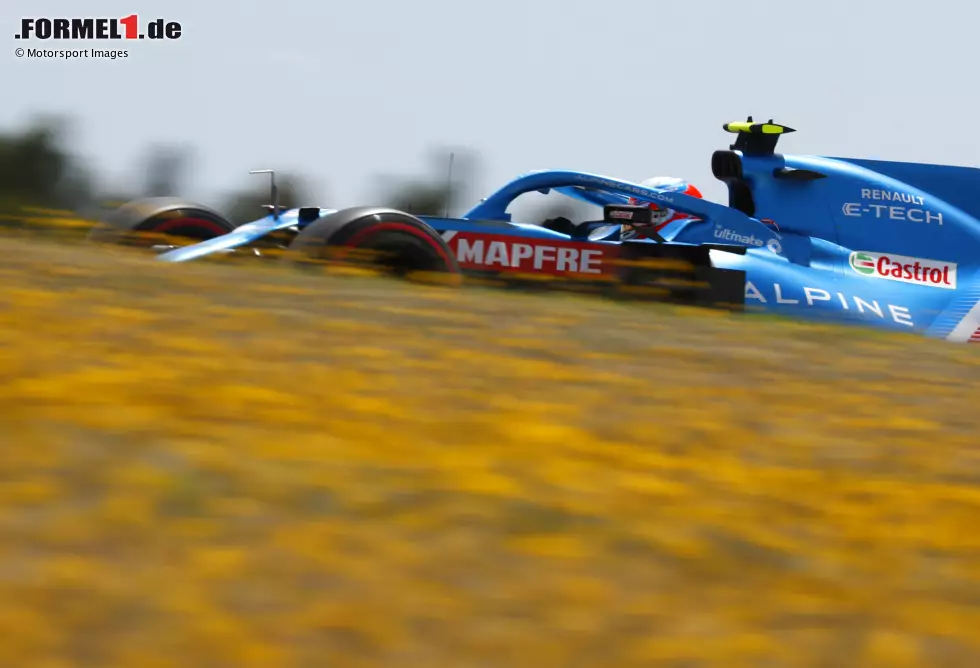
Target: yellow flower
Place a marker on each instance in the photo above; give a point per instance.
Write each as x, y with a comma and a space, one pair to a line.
308, 468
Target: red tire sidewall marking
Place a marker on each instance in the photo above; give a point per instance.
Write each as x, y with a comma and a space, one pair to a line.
365, 233
208, 225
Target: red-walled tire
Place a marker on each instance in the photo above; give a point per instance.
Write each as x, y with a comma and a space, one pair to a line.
386, 239
144, 222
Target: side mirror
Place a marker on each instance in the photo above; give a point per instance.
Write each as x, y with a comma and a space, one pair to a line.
629, 217
625, 214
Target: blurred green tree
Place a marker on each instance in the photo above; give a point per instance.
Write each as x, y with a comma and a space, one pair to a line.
444, 189
165, 168
37, 170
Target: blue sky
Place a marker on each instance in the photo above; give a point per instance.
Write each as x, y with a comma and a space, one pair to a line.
343, 92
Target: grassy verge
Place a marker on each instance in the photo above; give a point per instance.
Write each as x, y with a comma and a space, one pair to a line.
218, 466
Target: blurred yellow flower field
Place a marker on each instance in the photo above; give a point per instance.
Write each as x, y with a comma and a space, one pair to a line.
209, 465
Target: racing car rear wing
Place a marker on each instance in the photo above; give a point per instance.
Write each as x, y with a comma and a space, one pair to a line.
756, 138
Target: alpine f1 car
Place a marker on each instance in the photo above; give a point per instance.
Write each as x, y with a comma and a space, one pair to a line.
890, 244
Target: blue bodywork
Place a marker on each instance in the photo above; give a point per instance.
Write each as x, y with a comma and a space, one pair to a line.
828, 224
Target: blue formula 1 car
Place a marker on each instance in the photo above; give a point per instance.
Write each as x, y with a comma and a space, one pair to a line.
889, 244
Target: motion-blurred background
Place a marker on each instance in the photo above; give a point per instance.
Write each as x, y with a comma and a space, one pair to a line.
362, 102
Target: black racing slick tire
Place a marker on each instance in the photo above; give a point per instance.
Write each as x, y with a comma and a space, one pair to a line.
382, 238
142, 222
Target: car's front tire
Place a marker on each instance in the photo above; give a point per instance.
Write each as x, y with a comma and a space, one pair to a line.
149, 221
393, 241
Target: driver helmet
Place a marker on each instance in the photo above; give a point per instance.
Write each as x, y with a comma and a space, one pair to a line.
662, 216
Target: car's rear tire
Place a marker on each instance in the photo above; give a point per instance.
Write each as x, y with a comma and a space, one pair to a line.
392, 241
145, 222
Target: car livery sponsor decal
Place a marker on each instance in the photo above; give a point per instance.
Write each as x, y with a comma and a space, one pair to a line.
891, 196
600, 182
803, 296
498, 252
900, 206
732, 236
915, 270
